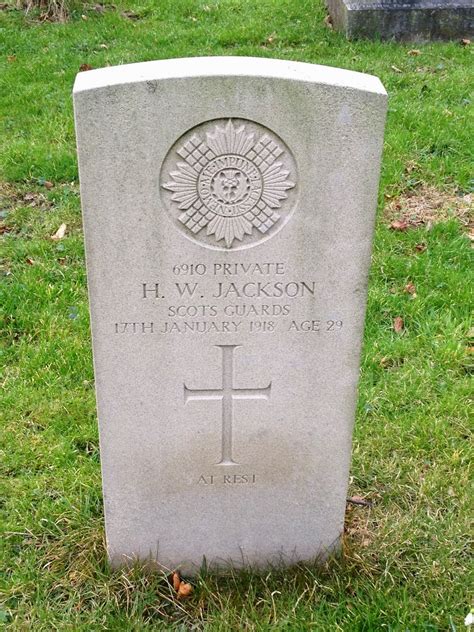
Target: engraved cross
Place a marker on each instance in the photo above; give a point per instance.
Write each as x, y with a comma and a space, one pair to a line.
227, 394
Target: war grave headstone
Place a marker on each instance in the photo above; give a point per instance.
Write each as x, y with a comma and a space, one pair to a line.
228, 209
403, 20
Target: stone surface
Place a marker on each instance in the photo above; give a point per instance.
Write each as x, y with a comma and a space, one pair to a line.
228, 207
408, 20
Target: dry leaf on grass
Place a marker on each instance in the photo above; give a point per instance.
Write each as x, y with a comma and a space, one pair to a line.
398, 324
465, 42
84, 67
359, 500
410, 288
414, 52
420, 247
184, 590
59, 234
399, 225
176, 580
30, 261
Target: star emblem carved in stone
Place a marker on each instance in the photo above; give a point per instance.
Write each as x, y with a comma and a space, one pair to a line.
229, 183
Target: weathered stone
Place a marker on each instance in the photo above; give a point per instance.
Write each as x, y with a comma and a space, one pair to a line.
228, 207
403, 20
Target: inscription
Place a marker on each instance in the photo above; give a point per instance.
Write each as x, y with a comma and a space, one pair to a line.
226, 395
315, 325
134, 328
202, 327
226, 183
227, 479
229, 326
251, 289
230, 269
203, 304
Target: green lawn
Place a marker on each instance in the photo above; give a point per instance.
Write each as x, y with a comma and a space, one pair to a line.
405, 564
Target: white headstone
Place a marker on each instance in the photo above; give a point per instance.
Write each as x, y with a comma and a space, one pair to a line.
228, 206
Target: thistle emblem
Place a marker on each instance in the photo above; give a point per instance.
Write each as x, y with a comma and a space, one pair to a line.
230, 182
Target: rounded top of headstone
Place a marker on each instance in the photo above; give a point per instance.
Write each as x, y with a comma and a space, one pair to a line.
227, 66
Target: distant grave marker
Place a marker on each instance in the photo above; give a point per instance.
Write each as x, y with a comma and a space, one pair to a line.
403, 20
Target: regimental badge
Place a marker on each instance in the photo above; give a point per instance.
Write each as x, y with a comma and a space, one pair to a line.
232, 184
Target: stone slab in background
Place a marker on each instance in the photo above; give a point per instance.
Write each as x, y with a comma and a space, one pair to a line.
228, 209
408, 21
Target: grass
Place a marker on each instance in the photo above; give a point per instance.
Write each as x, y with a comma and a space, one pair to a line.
405, 564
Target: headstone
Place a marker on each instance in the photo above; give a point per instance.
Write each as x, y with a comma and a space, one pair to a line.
228, 207
403, 20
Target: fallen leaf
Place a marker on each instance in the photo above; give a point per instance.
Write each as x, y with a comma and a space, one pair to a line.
84, 67
465, 42
59, 234
398, 324
414, 52
11, 58
399, 224
420, 247
30, 261
410, 288
176, 580
396, 69
47, 184
62, 261
184, 590
359, 500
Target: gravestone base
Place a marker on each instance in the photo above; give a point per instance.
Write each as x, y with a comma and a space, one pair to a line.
410, 21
